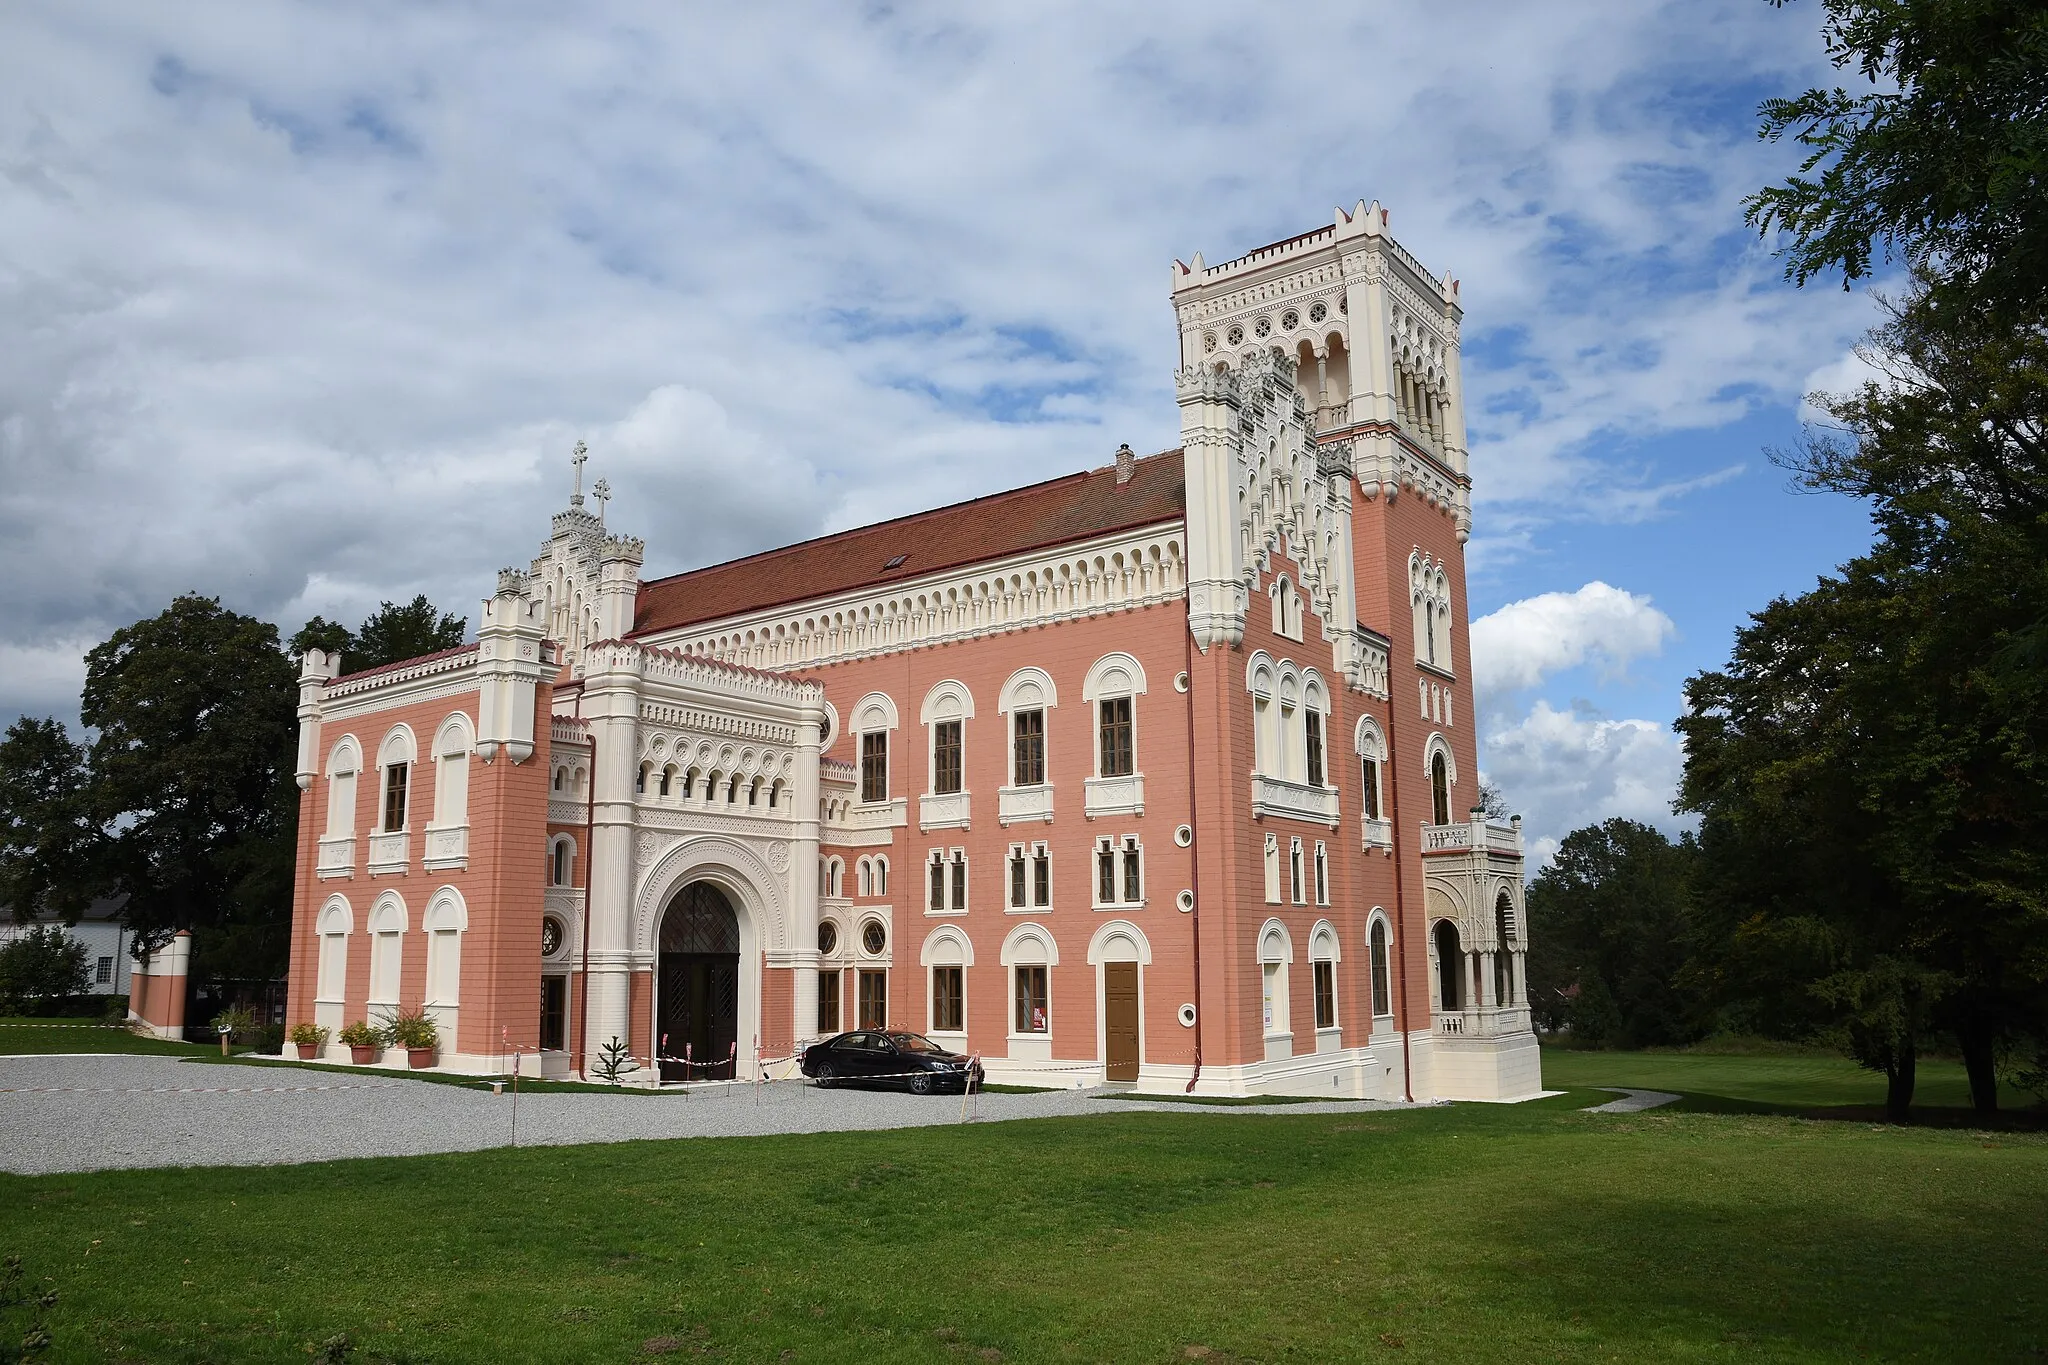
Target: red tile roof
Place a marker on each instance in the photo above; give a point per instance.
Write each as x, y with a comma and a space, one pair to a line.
1077, 507
469, 648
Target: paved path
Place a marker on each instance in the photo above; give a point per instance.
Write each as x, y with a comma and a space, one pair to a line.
1632, 1101
92, 1113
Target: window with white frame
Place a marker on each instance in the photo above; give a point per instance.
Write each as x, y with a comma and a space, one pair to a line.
832, 877
873, 719
1322, 956
1029, 953
395, 759
1382, 991
342, 765
1114, 684
1295, 887
1286, 608
451, 772
1276, 951
336, 923
1030, 876
946, 872
880, 868
1429, 594
1371, 748
1033, 999
1027, 748
388, 924
1442, 776
863, 879
562, 861
947, 709
949, 999
1272, 869
1290, 721
1119, 872
1322, 874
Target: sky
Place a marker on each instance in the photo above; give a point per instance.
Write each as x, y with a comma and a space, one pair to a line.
304, 306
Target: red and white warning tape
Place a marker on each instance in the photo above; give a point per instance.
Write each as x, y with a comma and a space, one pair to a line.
192, 1089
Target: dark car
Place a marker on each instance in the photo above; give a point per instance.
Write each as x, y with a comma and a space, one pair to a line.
888, 1057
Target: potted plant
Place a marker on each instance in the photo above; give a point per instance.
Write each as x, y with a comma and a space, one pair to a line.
414, 1030
310, 1040
362, 1040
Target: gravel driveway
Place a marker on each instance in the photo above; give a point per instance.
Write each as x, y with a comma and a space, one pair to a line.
74, 1113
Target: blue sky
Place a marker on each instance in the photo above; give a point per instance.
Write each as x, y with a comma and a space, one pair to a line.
304, 305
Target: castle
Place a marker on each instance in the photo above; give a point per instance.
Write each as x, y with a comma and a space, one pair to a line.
1159, 775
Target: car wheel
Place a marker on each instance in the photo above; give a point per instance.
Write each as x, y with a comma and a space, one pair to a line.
921, 1083
825, 1075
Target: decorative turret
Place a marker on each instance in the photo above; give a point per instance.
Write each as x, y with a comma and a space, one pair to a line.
510, 663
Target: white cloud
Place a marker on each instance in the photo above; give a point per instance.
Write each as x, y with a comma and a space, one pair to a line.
304, 306
1525, 642
1566, 769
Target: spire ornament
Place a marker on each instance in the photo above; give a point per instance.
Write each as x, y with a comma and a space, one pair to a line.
578, 457
602, 491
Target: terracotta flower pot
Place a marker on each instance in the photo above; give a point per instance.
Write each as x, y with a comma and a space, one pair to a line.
362, 1056
420, 1057
306, 1052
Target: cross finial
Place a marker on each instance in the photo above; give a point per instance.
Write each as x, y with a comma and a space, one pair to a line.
602, 491
578, 457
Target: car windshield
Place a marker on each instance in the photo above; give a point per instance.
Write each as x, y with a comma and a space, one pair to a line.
911, 1042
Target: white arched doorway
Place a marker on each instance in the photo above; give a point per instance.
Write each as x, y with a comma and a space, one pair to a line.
677, 918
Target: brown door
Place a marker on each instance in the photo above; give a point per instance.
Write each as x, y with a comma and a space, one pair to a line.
1120, 1019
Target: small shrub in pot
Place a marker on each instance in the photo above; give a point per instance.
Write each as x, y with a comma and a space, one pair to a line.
310, 1040
415, 1031
363, 1041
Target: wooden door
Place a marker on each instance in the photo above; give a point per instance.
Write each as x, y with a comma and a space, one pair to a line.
1120, 1020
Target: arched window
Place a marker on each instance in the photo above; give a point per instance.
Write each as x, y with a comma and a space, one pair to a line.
395, 758
344, 761
873, 719
452, 745
1503, 951
337, 921
444, 922
388, 924
1030, 953
947, 955
881, 872
835, 877
1323, 957
1382, 986
947, 709
1440, 788
1025, 700
1315, 706
1113, 685
562, 861
1286, 608
1371, 748
1449, 967
1276, 951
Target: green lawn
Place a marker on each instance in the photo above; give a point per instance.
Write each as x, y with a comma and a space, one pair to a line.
1466, 1233
28, 1036
1808, 1081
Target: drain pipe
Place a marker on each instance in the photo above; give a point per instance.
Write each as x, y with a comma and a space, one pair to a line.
1194, 863
1400, 920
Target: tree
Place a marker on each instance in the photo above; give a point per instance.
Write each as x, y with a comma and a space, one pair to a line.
192, 771
1612, 915
41, 965
330, 637
1492, 803
1944, 160
49, 848
393, 633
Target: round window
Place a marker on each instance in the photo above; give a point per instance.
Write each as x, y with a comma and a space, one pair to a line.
1290, 320
873, 937
550, 936
1263, 326
828, 938
1316, 312
1234, 336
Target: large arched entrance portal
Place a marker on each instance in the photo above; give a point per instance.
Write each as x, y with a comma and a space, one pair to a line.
698, 984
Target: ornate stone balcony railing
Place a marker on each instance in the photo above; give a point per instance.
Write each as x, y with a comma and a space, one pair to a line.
1499, 1022
880, 815
944, 810
389, 852
337, 856
1293, 800
1476, 834
447, 848
1015, 805
1113, 796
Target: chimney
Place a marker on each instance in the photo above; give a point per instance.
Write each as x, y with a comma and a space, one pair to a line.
1126, 464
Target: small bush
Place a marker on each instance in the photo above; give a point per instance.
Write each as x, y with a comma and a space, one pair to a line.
412, 1028
309, 1035
362, 1033
40, 968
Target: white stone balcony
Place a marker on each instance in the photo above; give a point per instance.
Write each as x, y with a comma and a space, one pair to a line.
1016, 805
880, 814
337, 856
944, 810
1114, 796
1499, 1022
447, 848
389, 853
1378, 835
1294, 800
1477, 834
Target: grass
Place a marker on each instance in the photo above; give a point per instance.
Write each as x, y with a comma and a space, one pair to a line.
1800, 1081
1465, 1233
31, 1037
